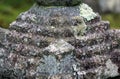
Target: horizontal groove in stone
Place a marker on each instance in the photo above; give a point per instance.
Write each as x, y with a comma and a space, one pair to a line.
94, 61
49, 31
95, 49
23, 49
98, 27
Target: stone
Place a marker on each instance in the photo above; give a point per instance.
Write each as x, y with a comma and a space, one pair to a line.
58, 2
59, 42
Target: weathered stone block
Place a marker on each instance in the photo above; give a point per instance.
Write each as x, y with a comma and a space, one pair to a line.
59, 42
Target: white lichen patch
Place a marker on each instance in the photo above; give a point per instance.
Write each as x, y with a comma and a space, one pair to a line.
59, 47
111, 69
87, 12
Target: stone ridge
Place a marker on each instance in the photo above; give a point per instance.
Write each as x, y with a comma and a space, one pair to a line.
59, 43
58, 2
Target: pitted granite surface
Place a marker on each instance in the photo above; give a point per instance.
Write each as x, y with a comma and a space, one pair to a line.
59, 42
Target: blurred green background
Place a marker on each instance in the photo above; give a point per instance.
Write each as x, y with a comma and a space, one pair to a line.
10, 9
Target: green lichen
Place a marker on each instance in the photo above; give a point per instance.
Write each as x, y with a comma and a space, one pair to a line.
86, 12
80, 28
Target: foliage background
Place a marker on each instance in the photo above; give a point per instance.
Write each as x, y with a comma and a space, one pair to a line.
10, 9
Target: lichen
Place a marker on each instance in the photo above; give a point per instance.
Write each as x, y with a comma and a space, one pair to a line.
86, 12
80, 28
66, 64
48, 65
111, 69
59, 47
51, 66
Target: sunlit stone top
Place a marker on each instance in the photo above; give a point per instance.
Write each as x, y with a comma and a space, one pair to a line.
58, 2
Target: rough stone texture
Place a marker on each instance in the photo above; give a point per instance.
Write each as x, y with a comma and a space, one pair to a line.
59, 43
58, 2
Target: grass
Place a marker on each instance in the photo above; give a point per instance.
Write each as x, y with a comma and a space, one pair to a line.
114, 20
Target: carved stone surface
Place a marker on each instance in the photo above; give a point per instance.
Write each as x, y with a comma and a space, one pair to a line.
59, 43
